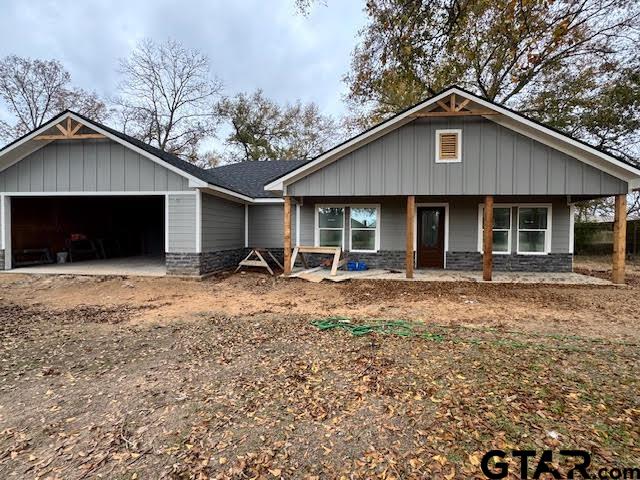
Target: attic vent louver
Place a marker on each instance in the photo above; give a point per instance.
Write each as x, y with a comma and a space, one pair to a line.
448, 144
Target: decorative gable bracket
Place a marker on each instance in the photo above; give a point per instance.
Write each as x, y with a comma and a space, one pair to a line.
449, 107
69, 132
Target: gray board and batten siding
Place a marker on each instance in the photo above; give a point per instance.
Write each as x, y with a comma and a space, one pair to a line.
222, 224
495, 161
266, 226
88, 166
181, 220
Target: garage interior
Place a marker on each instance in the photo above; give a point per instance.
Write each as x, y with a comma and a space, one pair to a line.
108, 234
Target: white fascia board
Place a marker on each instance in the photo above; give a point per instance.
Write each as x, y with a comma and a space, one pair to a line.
634, 184
33, 134
239, 197
227, 194
106, 193
593, 156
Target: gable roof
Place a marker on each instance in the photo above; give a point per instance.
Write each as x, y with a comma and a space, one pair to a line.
507, 117
244, 180
21, 147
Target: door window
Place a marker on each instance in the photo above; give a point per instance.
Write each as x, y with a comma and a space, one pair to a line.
430, 228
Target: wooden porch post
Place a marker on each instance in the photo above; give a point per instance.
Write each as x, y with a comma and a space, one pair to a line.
411, 210
487, 242
287, 235
619, 239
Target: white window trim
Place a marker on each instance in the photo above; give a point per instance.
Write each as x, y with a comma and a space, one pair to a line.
2, 222
377, 228
198, 221
297, 224
246, 225
446, 229
166, 223
344, 206
548, 231
480, 227
458, 132
572, 227
317, 207
6, 230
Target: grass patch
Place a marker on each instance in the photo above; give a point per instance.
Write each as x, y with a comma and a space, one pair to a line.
400, 328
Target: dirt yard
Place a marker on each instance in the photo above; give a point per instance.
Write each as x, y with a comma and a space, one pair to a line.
228, 378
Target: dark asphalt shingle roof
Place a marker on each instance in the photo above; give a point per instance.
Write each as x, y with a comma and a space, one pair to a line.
251, 177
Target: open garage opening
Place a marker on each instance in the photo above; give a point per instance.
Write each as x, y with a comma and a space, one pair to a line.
102, 234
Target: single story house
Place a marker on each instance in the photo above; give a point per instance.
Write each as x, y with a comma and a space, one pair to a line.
408, 193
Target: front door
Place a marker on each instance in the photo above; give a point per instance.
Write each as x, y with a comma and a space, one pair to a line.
431, 237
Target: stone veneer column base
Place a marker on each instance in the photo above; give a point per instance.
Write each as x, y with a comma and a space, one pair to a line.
196, 264
553, 262
383, 259
395, 260
387, 259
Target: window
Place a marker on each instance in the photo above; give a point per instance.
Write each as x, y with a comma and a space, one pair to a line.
501, 229
330, 227
448, 146
364, 229
534, 229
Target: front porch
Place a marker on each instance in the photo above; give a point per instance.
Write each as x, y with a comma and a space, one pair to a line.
454, 276
526, 236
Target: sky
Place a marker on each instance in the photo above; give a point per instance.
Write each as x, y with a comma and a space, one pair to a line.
250, 43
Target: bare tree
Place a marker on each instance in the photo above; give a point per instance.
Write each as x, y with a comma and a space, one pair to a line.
209, 159
604, 208
263, 130
304, 6
167, 96
35, 90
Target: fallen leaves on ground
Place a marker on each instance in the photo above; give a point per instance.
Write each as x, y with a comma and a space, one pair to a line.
84, 392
